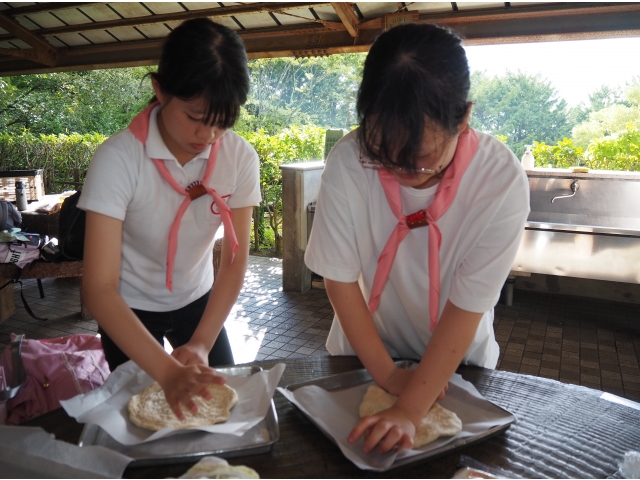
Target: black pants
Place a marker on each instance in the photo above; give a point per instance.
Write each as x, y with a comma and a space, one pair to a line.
178, 326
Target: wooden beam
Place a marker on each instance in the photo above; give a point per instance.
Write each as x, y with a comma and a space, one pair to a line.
529, 12
348, 17
315, 39
26, 53
45, 52
45, 7
262, 7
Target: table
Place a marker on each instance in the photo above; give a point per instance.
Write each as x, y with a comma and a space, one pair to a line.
562, 431
44, 224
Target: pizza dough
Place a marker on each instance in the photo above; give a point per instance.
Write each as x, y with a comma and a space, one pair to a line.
216, 467
149, 409
438, 422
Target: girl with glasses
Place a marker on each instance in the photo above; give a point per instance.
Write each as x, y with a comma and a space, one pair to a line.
417, 223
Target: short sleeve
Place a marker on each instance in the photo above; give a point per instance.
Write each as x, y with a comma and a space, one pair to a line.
480, 276
247, 192
110, 182
332, 249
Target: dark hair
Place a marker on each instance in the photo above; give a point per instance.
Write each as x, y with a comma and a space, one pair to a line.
201, 58
414, 74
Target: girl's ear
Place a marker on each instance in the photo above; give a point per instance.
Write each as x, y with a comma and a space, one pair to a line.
158, 91
465, 121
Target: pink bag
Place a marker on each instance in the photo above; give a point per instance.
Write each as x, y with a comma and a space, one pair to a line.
19, 253
41, 373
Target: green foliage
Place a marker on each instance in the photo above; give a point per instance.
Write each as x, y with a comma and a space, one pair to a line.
302, 91
612, 119
563, 155
523, 107
295, 144
620, 151
605, 97
102, 101
632, 92
59, 156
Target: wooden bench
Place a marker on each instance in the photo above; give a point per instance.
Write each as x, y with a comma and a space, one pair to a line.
37, 270
66, 269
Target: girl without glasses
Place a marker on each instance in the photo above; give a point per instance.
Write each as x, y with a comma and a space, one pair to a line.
155, 195
418, 220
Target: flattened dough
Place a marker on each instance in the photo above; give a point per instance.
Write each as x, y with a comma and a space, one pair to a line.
149, 409
438, 422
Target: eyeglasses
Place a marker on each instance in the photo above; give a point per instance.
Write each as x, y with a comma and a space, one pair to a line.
377, 164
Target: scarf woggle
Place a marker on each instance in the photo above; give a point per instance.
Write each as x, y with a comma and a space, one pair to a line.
140, 128
445, 195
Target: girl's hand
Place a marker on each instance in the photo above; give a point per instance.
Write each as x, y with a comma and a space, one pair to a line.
389, 429
187, 382
191, 354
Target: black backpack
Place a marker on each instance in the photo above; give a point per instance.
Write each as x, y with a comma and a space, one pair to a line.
10, 217
71, 228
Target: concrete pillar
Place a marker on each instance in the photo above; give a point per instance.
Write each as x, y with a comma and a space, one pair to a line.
300, 186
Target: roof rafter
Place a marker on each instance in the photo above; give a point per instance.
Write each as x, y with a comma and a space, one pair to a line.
44, 52
45, 7
326, 32
348, 17
227, 11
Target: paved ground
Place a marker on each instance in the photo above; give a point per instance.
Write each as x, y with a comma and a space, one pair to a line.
577, 340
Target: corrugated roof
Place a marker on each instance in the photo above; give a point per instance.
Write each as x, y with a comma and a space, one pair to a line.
42, 37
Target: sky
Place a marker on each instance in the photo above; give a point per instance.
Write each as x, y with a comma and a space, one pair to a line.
575, 68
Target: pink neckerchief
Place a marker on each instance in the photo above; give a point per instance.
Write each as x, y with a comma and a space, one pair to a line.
445, 194
139, 126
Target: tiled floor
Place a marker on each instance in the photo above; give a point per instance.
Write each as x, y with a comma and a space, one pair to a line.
577, 340
595, 343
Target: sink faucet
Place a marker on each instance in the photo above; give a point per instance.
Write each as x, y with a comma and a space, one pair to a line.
574, 188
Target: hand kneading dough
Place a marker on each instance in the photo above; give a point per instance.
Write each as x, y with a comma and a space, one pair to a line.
438, 422
149, 408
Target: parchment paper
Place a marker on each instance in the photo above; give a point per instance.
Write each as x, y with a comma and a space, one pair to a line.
336, 413
106, 406
30, 452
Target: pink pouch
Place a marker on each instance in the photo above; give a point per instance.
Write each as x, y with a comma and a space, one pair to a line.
53, 370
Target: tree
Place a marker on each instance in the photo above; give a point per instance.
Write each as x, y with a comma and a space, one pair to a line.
301, 91
102, 101
294, 144
522, 107
605, 97
613, 119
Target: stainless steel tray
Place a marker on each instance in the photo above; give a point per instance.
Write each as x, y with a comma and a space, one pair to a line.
192, 445
354, 378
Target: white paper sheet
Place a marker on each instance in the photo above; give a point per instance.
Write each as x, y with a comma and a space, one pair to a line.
107, 406
336, 413
30, 452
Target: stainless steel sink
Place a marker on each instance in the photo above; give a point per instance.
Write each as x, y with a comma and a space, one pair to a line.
594, 233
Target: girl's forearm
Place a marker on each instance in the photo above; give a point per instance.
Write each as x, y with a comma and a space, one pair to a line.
357, 325
119, 322
222, 299
100, 279
449, 343
227, 286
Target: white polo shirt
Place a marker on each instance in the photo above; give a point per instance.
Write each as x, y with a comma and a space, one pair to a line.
481, 233
123, 183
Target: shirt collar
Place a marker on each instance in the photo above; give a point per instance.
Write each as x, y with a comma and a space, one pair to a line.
156, 147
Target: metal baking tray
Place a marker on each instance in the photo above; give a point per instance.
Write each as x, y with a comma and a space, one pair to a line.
343, 381
192, 445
